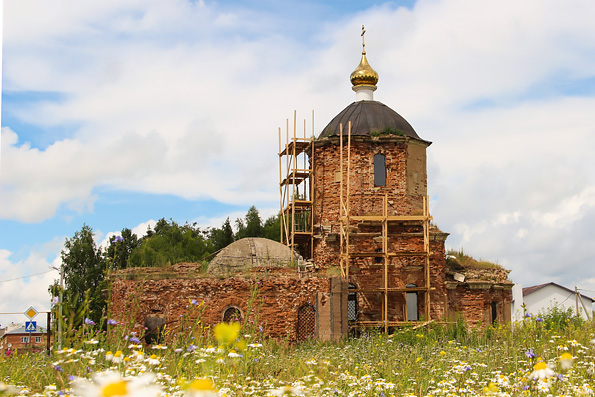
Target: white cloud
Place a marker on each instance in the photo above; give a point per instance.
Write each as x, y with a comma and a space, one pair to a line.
25, 283
141, 229
170, 97
569, 210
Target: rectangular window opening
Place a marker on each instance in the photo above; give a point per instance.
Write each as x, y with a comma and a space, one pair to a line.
379, 169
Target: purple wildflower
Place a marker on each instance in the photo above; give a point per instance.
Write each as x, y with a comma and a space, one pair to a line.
118, 239
530, 354
134, 340
88, 321
112, 322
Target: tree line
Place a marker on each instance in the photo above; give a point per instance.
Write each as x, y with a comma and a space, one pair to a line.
85, 265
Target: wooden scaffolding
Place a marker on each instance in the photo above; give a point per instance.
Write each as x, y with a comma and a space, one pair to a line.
349, 224
296, 189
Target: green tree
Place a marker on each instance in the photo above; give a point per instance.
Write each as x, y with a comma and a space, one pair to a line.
252, 226
83, 266
221, 238
272, 228
171, 243
253, 223
120, 249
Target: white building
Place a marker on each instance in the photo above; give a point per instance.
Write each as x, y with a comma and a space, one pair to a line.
543, 297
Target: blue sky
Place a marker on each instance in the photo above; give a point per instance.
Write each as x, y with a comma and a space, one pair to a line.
118, 113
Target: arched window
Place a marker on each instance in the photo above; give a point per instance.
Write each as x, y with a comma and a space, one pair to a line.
306, 322
411, 299
379, 169
232, 315
352, 304
154, 325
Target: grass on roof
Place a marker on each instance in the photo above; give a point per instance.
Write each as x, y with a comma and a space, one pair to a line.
459, 257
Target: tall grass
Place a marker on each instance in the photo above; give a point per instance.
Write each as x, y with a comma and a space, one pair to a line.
434, 361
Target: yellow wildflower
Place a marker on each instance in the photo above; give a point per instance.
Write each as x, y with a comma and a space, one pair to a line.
227, 333
566, 360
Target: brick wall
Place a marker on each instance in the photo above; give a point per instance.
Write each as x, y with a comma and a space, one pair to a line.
278, 298
16, 341
406, 186
473, 301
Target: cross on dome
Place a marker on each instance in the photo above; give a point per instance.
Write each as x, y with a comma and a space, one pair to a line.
364, 78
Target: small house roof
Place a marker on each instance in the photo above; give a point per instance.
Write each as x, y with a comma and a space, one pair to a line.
22, 330
530, 290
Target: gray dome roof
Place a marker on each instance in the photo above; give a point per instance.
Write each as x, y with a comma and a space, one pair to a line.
252, 252
369, 117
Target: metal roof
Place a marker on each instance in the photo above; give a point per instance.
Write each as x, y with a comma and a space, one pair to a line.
367, 117
21, 330
530, 290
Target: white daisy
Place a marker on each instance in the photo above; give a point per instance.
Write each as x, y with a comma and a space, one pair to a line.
153, 360
113, 384
541, 371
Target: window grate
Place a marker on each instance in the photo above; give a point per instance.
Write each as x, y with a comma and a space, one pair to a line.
232, 315
306, 324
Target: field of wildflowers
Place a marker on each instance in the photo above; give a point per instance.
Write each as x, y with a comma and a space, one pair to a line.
552, 355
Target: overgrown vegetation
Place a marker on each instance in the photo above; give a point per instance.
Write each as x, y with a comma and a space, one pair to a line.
460, 258
387, 131
547, 354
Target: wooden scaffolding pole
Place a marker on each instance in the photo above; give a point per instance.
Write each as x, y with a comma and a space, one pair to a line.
385, 258
312, 178
287, 198
296, 189
426, 228
343, 259
348, 206
293, 175
281, 206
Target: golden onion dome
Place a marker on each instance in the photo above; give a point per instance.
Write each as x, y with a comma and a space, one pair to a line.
364, 74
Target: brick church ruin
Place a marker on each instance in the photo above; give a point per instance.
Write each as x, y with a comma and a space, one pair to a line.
359, 248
